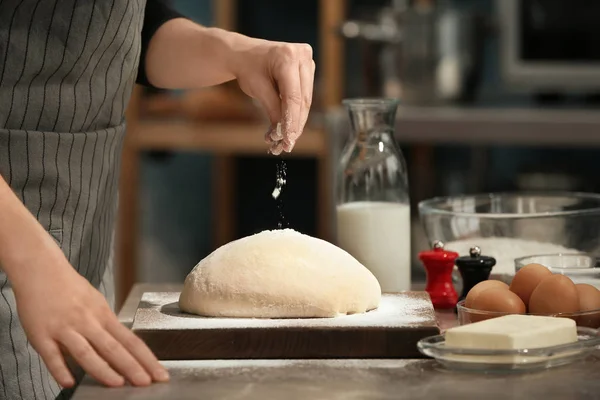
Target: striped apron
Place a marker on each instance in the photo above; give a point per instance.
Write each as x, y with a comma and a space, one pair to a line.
67, 68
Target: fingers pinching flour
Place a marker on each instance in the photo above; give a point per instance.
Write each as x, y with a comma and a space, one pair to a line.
276, 148
276, 134
281, 137
274, 138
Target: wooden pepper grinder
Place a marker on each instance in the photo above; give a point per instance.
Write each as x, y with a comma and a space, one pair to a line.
473, 269
439, 264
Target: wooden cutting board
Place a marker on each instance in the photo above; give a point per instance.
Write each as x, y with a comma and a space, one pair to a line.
391, 331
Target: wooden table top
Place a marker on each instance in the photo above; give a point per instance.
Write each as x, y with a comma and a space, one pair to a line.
345, 379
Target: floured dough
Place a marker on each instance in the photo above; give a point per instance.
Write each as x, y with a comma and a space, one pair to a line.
279, 274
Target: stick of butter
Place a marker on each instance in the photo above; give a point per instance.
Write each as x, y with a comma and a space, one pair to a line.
513, 332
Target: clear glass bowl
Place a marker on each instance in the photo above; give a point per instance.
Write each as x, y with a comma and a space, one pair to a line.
507, 226
587, 319
579, 267
484, 361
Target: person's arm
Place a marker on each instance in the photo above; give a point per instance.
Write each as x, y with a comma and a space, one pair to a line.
19, 233
180, 54
156, 14
59, 309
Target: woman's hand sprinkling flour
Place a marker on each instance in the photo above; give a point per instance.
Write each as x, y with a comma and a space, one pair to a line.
280, 76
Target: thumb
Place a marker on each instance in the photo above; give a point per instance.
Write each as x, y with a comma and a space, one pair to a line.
271, 103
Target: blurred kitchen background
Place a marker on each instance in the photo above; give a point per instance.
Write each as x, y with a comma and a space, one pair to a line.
495, 96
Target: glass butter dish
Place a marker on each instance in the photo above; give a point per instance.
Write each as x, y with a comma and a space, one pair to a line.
517, 360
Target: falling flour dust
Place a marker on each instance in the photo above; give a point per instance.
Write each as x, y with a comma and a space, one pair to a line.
280, 182
160, 311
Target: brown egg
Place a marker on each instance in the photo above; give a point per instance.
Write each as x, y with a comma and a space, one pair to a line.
480, 287
555, 294
497, 299
526, 280
589, 299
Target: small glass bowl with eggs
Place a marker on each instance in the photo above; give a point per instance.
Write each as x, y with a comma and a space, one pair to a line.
559, 285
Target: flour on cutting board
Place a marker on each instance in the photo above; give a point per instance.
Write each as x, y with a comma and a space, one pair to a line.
160, 311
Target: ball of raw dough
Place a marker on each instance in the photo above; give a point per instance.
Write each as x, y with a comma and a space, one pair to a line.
279, 274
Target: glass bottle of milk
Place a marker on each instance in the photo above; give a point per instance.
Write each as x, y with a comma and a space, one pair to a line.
373, 209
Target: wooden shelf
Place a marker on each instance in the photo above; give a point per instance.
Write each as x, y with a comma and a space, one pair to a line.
485, 126
224, 138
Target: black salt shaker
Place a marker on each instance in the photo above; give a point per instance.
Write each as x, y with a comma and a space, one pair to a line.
473, 269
